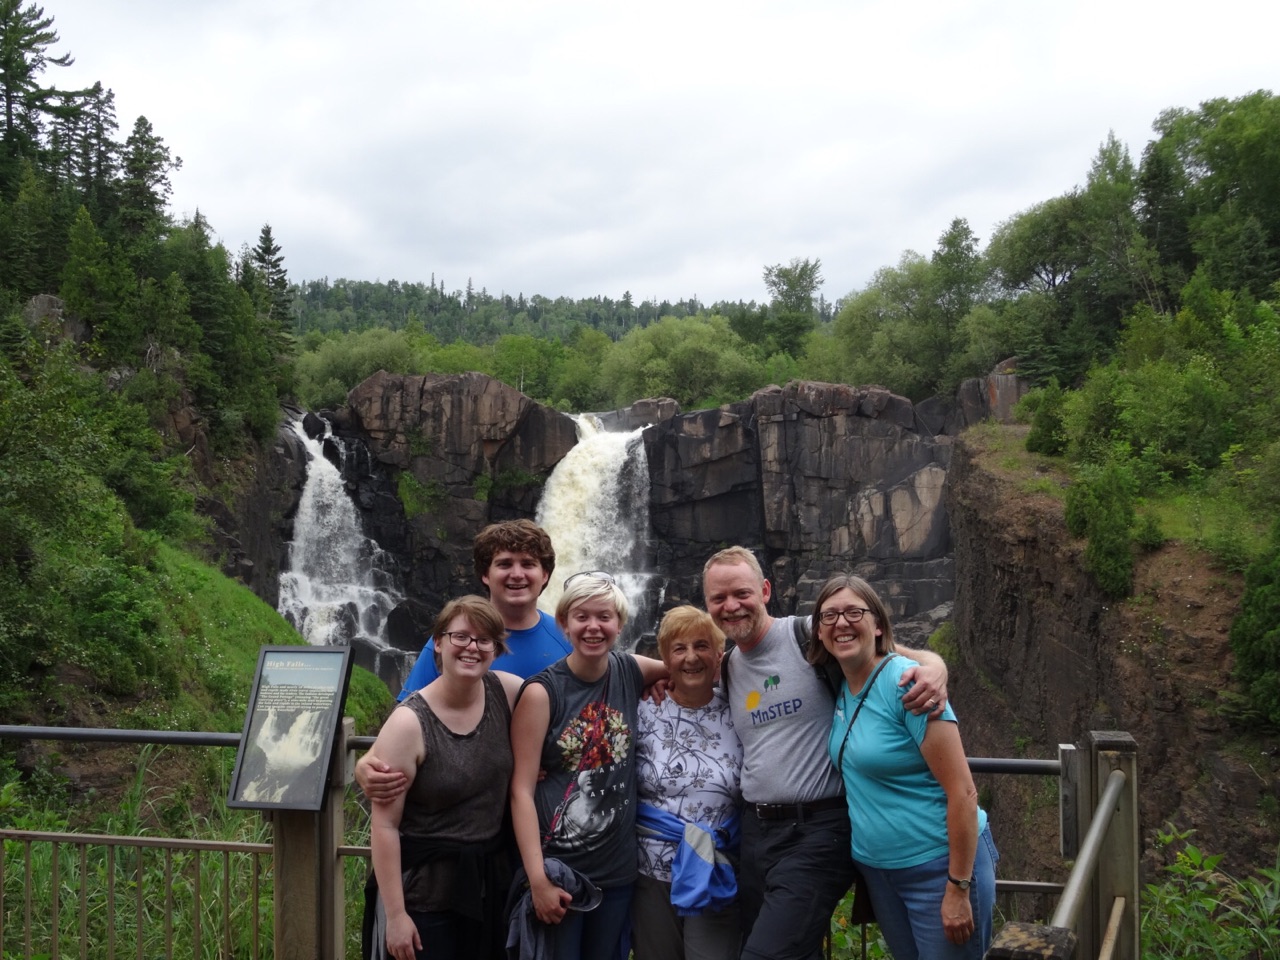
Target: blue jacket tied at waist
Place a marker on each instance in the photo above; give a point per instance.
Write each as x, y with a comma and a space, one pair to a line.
702, 876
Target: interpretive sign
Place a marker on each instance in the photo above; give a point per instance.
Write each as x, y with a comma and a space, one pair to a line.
293, 716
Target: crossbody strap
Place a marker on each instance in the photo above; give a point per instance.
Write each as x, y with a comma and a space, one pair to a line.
858, 709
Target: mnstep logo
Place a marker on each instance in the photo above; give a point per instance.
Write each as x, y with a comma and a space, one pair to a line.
752, 699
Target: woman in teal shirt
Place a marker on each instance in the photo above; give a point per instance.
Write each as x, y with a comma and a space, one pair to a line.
919, 837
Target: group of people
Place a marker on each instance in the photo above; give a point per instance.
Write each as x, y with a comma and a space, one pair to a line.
704, 805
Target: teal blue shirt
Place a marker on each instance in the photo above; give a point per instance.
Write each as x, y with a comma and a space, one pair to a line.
897, 808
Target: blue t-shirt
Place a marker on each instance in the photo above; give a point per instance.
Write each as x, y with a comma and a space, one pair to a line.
531, 650
897, 808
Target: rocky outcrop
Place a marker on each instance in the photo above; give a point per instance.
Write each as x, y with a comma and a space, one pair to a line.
464, 450
253, 530
1041, 655
817, 477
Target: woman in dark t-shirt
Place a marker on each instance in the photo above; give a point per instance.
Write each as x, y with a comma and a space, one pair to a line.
576, 721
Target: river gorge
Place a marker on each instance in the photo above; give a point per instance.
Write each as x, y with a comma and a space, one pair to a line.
817, 478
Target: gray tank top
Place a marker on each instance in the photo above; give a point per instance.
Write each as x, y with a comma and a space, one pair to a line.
459, 792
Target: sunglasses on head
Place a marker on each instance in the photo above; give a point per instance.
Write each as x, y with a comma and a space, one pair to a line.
594, 575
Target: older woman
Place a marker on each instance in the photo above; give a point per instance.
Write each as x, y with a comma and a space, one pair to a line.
440, 855
919, 837
689, 762
576, 720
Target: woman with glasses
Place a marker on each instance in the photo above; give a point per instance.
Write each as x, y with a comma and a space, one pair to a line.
920, 839
441, 858
576, 827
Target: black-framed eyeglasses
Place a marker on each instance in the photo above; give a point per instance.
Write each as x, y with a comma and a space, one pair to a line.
852, 615
594, 575
463, 640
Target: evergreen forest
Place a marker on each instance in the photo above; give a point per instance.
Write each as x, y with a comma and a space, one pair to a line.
1142, 304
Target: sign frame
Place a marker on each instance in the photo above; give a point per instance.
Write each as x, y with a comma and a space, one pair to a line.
286, 746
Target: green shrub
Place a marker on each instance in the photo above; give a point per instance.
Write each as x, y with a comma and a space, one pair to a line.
1148, 534
419, 498
1198, 910
1047, 434
1099, 506
1255, 634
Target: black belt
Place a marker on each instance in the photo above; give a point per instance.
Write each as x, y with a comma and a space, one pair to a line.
795, 811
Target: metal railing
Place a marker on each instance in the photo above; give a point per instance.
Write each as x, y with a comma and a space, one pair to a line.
305, 870
1098, 913
145, 867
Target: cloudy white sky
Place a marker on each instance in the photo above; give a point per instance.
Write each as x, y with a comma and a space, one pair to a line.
670, 149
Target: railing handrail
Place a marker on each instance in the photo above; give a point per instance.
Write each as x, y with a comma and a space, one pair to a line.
121, 840
1072, 907
186, 738
1090, 848
198, 739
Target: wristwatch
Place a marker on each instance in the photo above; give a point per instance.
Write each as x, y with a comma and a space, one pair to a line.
962, 884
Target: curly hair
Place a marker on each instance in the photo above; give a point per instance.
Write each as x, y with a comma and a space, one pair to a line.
518, 536
687, 621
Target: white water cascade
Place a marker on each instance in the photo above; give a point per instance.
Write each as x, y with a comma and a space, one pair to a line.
340, 585
595, 506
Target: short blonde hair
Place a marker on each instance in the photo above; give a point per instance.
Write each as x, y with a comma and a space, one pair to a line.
687, 621
732, 555
590, 586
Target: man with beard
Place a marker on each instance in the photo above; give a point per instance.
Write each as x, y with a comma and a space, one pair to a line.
795, 861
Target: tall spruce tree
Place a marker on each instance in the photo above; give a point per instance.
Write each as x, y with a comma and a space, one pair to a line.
144, 185
26, 35
269, 265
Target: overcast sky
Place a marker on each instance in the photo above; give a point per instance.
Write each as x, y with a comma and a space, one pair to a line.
669, 149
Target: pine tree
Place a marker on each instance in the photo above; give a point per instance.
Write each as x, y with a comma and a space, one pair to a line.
268, 263
26, 35
144, 186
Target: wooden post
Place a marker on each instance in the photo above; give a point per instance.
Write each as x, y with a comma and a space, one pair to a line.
310, 906
1117, 875
296, 836
333, 916
1068, 800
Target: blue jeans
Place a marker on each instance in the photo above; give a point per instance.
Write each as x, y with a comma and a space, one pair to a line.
908, 905
600, 934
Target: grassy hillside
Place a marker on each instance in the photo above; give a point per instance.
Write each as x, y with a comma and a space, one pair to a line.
206, 643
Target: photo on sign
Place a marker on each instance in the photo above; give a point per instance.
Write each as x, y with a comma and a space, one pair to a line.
297, 702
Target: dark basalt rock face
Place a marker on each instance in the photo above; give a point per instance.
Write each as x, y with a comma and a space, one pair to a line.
253, 531
816, 478
1041, 655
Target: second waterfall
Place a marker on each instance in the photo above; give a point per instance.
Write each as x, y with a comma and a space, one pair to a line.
595, 506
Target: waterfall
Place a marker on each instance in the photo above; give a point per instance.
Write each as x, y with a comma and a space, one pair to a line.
339, 586
595, 506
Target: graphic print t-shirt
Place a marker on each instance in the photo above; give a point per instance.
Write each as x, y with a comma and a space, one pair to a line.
587, 802
782, 713
689, 761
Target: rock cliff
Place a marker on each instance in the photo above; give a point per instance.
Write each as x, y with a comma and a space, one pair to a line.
1039, 656
815, 477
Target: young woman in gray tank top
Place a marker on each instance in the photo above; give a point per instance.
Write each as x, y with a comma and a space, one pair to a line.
440, 855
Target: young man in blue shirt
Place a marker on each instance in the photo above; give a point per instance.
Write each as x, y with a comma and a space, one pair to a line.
514, 560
